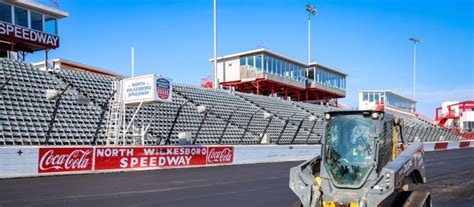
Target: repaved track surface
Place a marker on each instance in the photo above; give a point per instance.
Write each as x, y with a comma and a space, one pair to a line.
450, 179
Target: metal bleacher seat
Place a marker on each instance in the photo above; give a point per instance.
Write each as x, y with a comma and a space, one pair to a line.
231, 117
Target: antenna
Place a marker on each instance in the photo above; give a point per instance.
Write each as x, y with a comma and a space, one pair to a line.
55, 3
133, 63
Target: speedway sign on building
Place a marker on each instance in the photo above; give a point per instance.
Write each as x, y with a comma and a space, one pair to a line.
22, 34
147, 89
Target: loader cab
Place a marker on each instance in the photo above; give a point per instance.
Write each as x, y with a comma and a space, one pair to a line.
353, 144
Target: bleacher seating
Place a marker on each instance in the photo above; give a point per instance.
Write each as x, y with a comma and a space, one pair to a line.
417, 128
25, 113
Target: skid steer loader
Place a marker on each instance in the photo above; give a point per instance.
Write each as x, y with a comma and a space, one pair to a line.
362, 164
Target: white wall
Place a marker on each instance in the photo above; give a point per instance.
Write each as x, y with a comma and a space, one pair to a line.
467, 116
274, 153
14, 163
228, 70
18, 161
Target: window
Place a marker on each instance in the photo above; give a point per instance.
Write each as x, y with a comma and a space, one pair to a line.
365, 96
273, 65
5, 13
250, 61
376, 97
51, 28
258, 64
318, 75
349, 146
243, 61
36, 21
310, 75
265, 63
21, 17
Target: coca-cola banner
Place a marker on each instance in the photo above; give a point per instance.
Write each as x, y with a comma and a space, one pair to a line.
220, 155
148, 157
72, 159
66, 159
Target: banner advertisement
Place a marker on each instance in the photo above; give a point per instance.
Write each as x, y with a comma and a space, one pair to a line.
67, 159
76, 159
148, 157
116, 158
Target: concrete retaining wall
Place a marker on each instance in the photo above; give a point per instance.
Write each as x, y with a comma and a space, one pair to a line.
24, 161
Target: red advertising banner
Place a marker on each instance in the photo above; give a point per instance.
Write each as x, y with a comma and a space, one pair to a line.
220, 155
65, 159
75, 159
114, 158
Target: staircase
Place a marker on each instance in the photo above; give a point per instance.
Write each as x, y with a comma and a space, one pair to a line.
116, 115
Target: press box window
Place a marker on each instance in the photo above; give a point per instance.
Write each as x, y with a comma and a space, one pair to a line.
50, 25
5, 13
250, 62
21, 17
36, 21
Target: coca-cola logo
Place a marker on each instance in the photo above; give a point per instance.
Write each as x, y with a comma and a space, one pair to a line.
220, 155
64, 159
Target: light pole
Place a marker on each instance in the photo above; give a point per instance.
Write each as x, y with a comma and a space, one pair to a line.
311, 11
214, 72
415, 41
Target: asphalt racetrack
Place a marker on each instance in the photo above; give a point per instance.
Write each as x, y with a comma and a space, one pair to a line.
450, 180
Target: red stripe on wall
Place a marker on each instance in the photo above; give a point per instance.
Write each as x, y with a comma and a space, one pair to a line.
464, 144
441, 145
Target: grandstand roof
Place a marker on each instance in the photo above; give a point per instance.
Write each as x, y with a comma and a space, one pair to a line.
29, 4
80, 66
390, 92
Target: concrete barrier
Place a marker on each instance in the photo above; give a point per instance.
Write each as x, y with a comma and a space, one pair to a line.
274, 153
30, 161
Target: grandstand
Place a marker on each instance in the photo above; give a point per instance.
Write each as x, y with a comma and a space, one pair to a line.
231, 118
61, 102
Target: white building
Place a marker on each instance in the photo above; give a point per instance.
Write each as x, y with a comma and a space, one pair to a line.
387, 100
265, 72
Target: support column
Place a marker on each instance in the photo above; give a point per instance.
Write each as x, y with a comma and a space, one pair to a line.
258, 88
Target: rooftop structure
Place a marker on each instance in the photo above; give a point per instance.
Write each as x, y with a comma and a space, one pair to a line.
457, 116
386, 99
59, 63
27, 27
264, 72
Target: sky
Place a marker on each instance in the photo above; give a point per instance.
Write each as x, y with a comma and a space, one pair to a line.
367, 39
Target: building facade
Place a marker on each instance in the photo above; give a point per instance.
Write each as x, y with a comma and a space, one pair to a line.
264, 72
27, 27
386, 99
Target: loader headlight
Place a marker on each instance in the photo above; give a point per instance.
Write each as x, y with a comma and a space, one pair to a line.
375, 115
327, 116
387, 180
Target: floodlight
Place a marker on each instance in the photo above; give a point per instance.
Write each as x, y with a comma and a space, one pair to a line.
201, 109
